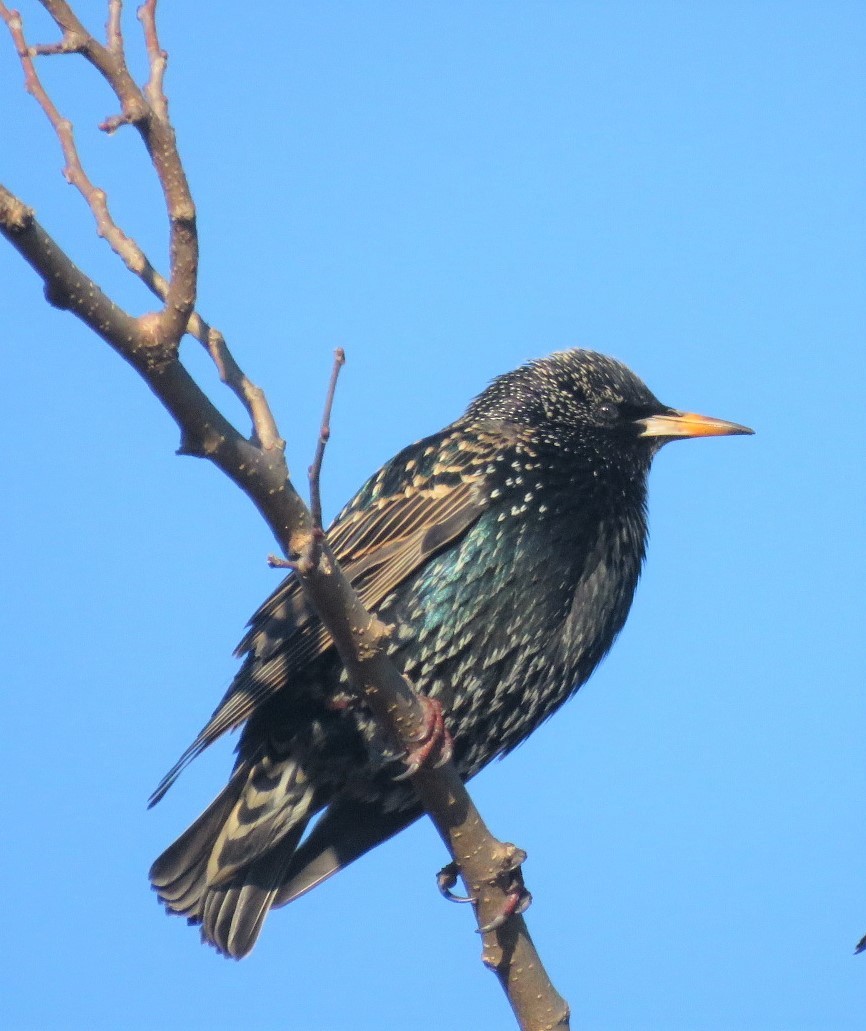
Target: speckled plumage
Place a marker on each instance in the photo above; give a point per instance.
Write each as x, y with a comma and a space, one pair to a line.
505, 550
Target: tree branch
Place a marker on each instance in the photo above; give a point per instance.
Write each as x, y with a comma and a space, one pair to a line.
150, 344
148, 111
123, 245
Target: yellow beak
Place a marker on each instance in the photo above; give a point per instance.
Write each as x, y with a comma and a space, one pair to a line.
688, 424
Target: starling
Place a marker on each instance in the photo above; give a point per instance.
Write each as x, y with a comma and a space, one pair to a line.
505, 550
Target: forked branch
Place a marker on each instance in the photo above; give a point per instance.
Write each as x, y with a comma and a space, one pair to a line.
150, 343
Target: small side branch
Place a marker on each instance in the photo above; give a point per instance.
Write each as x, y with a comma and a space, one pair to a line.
154, 90
113, 30
312, 554
315, 470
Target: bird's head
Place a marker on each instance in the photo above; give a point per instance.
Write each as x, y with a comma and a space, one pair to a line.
593, 407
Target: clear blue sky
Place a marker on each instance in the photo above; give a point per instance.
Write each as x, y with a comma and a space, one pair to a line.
446, 190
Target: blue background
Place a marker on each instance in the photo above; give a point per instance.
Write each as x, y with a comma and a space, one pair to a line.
445, 190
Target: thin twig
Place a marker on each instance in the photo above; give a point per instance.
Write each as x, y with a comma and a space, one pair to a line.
312, 554
114, 29
252, 397
157, 57
315, 470
127, 249
69, 43
149, 116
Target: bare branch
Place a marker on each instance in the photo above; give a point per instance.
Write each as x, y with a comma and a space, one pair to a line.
150, 344
315, 470
68, 44
132, 255
113, 29
312, 553
205, 431
486, 865
151, 121
154, 90
123, 245
253, 398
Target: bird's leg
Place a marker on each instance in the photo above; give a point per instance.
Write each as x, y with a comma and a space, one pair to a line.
517, 898
445, 881
434, 737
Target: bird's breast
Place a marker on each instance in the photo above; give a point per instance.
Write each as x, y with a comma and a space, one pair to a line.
506, 624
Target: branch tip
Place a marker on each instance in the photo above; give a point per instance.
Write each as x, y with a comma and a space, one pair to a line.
278, 562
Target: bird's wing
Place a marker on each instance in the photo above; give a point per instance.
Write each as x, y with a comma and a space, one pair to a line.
422, 500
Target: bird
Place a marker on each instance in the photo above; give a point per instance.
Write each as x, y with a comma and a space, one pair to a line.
504, 551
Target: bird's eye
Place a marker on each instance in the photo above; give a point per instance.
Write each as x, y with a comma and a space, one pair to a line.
607, 411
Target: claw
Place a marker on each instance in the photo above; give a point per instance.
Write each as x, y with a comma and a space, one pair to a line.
410, 771
446, 879
446, 749
516, 902
517, 898
435, 736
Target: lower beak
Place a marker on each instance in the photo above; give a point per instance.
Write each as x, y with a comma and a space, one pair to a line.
673, 424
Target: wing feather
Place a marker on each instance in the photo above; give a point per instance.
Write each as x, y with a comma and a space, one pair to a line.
401, 518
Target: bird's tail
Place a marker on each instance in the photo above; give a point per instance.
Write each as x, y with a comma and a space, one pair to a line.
224, 872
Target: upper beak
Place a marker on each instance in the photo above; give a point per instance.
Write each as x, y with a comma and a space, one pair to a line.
687, 424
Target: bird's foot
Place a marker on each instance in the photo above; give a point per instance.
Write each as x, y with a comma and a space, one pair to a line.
435, 738
445, 881
510, 879
517, 898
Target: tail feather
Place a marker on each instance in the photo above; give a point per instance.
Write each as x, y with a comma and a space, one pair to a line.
341, 835
233, 913
277, 797
225, 870
244, 855
179, 875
